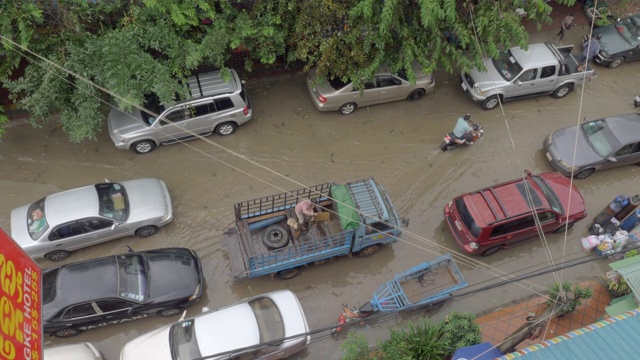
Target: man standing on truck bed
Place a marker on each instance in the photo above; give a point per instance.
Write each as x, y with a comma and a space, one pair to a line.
304, 207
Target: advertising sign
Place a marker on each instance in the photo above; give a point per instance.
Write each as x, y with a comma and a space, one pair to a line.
20, 303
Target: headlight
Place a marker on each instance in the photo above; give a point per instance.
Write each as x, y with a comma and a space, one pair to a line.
567, 165
477, 89
119, 137
474, 245
604, 53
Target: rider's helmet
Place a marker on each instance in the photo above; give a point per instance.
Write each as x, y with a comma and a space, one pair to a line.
467, 117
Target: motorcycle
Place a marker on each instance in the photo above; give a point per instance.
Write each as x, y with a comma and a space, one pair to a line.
636, 101
451, 141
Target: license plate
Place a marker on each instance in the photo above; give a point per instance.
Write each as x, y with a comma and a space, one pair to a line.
464, 86
548, 156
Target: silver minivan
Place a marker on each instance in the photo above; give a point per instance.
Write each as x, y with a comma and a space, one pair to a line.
216, 106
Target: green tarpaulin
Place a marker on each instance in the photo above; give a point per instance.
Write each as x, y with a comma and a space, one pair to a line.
349, 218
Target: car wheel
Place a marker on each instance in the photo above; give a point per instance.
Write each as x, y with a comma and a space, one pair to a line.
226, 128
147, 231
564, 227
562, 91
275, 237
416, 95
57, 255
144, 146
490, 103
490, 251
288, 274
169, 312
583, 174
65, 333
347, 108
368, 251
616, 62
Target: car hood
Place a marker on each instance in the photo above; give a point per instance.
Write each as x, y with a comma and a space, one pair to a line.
148, 198
152, 345
19, 229
126, 123
611, 42
487, 79
563, 142
173, 277
560, 185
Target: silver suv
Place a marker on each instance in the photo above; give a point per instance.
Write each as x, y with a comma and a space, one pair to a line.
216, 106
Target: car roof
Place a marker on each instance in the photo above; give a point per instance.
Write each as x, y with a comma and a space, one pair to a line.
537, 55
72, 204
81, 282
212, 83
504, 201
625, 127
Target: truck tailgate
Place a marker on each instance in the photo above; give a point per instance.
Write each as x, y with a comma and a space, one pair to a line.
236, 253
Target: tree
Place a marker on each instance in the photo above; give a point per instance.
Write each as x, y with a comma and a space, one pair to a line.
83, 54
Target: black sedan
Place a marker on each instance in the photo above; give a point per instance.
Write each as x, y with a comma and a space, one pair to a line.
620, 42
115, 289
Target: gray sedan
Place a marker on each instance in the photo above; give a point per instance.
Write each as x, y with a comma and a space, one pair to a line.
334, 94
601, 144
59, 223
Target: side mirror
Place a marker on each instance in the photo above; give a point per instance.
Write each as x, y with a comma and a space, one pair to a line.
518, 82
585, 119
527, 172
114, 225
612, 159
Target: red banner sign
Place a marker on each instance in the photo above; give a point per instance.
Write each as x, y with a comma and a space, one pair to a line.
20, 303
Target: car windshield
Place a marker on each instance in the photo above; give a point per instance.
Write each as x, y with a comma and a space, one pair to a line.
507, 65
49, 279
600, 137
183, 342
151, 104
629, 29
36, 219
549, 194
466, 218
132, 277
337, 83
269, 320
113, 201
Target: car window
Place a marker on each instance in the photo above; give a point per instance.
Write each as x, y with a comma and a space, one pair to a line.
183, 341
467, 218
514, 225
369, 85
388, 80
547, 71
337, 83
224, 103
600, 137
628, 149
549, 194
80, 310
66, 231
268, 318
49, 280
507, 65
377, 227
113, 201
37, 219
132, 277
629, 29
201, 109
110, 306
546, 216
151, 104
528, 75
174, 116
95, 224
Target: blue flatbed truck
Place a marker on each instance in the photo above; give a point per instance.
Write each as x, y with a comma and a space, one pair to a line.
353, 218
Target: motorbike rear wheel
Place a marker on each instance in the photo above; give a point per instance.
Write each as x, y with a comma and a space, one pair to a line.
444, 146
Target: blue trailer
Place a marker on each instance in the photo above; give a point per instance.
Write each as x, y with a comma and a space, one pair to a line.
422, 286
354, 218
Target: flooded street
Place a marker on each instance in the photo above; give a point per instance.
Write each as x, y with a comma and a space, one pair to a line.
396, 143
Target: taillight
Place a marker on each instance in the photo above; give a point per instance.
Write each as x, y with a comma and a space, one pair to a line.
245, 110
322, 99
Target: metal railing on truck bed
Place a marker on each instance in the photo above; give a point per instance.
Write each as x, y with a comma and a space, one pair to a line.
269, 204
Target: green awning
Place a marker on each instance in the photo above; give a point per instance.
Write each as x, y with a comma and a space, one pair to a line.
629, 269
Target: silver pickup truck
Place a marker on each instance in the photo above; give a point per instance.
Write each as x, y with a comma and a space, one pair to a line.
543, 69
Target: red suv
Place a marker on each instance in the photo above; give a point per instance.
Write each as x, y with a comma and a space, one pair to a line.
484, 221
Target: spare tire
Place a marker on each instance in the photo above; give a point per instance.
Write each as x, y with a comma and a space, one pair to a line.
275, 237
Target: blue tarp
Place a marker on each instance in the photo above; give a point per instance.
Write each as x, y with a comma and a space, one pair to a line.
484, 351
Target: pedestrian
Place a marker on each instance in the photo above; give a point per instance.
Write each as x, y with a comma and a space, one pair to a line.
590, 49
567, 23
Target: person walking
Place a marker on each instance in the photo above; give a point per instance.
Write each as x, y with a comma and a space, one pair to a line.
567, 23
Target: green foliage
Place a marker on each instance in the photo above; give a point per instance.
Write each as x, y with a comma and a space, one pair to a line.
569, 295
619, 286
631, 253
460, 330
355, 347
3, 120
415, 340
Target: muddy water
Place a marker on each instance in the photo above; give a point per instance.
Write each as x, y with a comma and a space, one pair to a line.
395, 143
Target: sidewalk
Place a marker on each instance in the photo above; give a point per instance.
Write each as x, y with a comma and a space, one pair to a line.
499, 324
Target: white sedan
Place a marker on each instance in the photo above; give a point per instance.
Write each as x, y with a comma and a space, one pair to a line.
259, 322
55, 225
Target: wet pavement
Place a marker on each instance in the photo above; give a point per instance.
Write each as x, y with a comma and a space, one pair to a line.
396, 143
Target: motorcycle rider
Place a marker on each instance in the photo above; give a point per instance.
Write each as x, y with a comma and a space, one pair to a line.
463, 130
